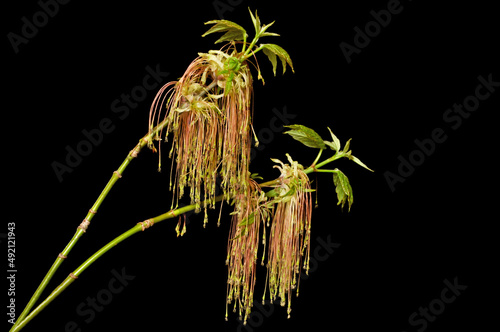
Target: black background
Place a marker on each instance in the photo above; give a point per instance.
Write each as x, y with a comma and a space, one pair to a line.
396, 247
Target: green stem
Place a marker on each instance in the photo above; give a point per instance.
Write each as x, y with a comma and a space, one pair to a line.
249, 52
255, 51
85, 223
317, 158
326, 171
78, 271
316, 167
48, 277
244, 43
79, 232
93, 210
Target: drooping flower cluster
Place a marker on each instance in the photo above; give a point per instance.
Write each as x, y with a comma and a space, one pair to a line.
235, 100
243, 247
211, 126
208, 111
289, 207
290, 234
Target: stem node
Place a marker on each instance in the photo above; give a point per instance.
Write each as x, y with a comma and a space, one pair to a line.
135, 151
84, 225
146, 224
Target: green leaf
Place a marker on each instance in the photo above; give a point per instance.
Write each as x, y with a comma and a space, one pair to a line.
306, 136
244, 224
330, 144
269, 34
260, 30
347, 146
279, 52
343, 188
272, 193
335, 144
359, 162
272, 58
255, 21
247, 221
263, 32
230, 36
233, 31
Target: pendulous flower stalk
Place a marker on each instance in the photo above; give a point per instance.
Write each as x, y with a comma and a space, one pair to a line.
289, 205
211, 126
289, 240
243, 247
